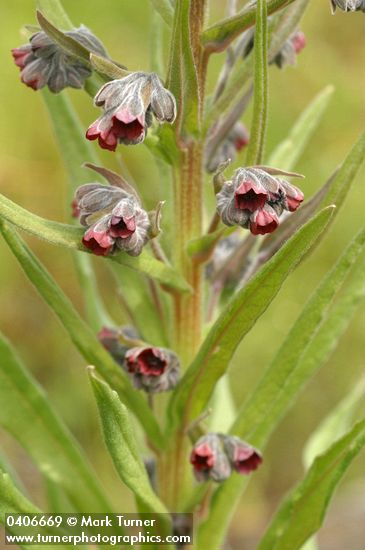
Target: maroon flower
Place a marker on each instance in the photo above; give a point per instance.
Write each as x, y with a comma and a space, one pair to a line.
243, 457
263, 221
152, 369
43, 63
294, 196
97, 237
209, 460
148, 361
110, 338
128, 104
250, 196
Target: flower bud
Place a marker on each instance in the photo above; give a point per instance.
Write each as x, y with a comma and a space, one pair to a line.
288, 52
110, 338
153, 369
114, 218
255, 198
128, 104
209, 460
348, 5
243, 457
43, 63
236, 140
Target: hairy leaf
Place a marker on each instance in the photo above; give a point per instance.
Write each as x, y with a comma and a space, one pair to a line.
67, 43
335, 424
26, 413
290, 150
318, 330
80, 333
237, 319
303, 511
121, 443
164, 8
55, 13
71, 237
217, 37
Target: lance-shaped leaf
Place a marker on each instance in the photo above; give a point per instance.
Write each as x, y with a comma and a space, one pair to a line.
282, 26
80, 333
346, 174
26, 414
237, 319
319, 329
182, 76
12, 501
290, 150
335, 424
260, 102
165, 9
303, 511
71, 237
218, 37
75, 150
107, 67
55, 13
293, 364
67, 43
121, 443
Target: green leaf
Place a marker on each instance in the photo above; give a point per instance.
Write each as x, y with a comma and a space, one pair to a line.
165, 9
303, 511
54, 11
313, 335
75, 151
80, 333
335, 424
290, 150
255, 148
67, 43
26, 414
107, 67
218, 37
346, 174
308, 345
71, 237
237, 319
12, 501
121, 443
182, 75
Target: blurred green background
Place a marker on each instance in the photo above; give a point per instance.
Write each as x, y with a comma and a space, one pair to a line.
31, 173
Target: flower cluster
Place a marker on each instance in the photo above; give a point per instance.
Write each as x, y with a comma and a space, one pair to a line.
255, 199
348, 5
214, 456
128, 104
43, 63
235, 141
151, 368
114, 218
